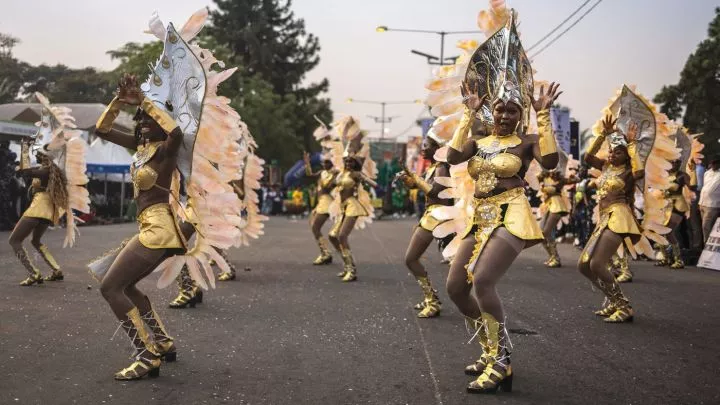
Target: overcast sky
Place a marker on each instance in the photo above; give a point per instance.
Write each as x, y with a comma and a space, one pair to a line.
642, 42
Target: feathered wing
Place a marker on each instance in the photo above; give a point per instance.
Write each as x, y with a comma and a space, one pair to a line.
68, 150
696, 157
216, 162
252, 173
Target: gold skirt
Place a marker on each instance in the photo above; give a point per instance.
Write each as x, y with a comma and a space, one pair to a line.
352, 208
428, 222
43, 207
323, 205
159, 229
509, 209
557, 205
676, 204
619, 219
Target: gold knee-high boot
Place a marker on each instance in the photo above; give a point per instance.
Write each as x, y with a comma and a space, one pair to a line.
677, 261
325, 255
163, 341
147, 357
617, 305
350, 271
431, 303
189, 293
498, 372
478, 367
35, 275
554, 260
623, 266
663, 253
226, 275
57, 274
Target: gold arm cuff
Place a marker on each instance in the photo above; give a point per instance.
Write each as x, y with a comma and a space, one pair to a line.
308, 171
460, 135
546, 138
166, 122
635, 163
421, 184
105, 122
595, 145
693, 178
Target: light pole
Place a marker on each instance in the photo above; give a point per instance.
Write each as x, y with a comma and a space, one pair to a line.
430, 58
383, 119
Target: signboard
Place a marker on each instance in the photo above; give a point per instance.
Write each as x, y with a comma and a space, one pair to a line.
710, 257
17, 130
560, 119
575, 139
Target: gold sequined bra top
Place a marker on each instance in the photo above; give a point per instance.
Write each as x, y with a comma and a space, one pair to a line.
492, 161
345, 182
143, 176
610, 181
326, 179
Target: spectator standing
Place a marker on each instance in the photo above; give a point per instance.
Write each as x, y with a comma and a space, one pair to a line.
710, 197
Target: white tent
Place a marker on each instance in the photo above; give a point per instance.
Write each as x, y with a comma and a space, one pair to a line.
107, 161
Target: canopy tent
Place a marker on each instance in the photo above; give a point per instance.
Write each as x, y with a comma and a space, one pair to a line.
295, 175
107, 161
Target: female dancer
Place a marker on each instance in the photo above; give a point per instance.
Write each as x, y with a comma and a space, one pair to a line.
56, 191
677, 205
354, 201
325, 183
182, 88
639, 132
422, 235
502, 222
555, 206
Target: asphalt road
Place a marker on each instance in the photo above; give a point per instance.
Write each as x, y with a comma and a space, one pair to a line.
287, 332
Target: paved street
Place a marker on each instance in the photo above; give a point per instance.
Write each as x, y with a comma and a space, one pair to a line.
287, 332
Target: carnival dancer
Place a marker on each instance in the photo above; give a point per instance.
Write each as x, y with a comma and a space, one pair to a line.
555, 206
422, 236
350, 198
683, 182
179, 157
492, 216
638, 147
58, 185
325, 184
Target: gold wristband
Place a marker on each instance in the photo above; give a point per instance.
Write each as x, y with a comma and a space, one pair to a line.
105, 122
546, 138
421, 184
166, 122
595, 145
635, 163
460, 135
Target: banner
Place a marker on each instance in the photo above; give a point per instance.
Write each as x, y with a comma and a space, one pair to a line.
560, 119
710, 257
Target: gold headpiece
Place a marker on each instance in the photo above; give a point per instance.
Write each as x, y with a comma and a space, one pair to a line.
502, 70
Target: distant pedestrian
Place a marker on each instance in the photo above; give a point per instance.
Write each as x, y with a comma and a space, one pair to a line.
710, 197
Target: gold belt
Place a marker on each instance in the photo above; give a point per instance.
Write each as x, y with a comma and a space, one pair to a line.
487, 212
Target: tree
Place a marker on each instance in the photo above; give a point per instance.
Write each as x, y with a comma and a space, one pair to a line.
134, 58
11, 70
268, 41
696, 97
63, 84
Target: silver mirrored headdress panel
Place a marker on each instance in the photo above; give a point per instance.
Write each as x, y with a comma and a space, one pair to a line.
502, 70
177, 85
630, 109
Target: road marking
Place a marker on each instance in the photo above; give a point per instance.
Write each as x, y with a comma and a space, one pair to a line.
436, 384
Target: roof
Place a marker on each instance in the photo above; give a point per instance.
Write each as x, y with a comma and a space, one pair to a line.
86, 114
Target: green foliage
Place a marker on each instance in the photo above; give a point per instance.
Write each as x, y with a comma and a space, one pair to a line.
696, 97
136, 58
271, 44
67, 85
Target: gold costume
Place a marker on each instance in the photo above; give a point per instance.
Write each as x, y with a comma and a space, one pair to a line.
510, 209
428, 222
676, 202
553, 200
324, 187
158, 228
42, 207
323, 205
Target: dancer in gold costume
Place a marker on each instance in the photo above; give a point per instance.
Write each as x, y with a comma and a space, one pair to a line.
325, 184
195, 161
58, 187
683, 182
355, 207
497, 89
555, 206
637, 145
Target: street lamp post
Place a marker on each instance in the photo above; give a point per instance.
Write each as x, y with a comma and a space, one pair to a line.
382, 119
441, 60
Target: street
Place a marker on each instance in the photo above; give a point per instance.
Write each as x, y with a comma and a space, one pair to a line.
288, 332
